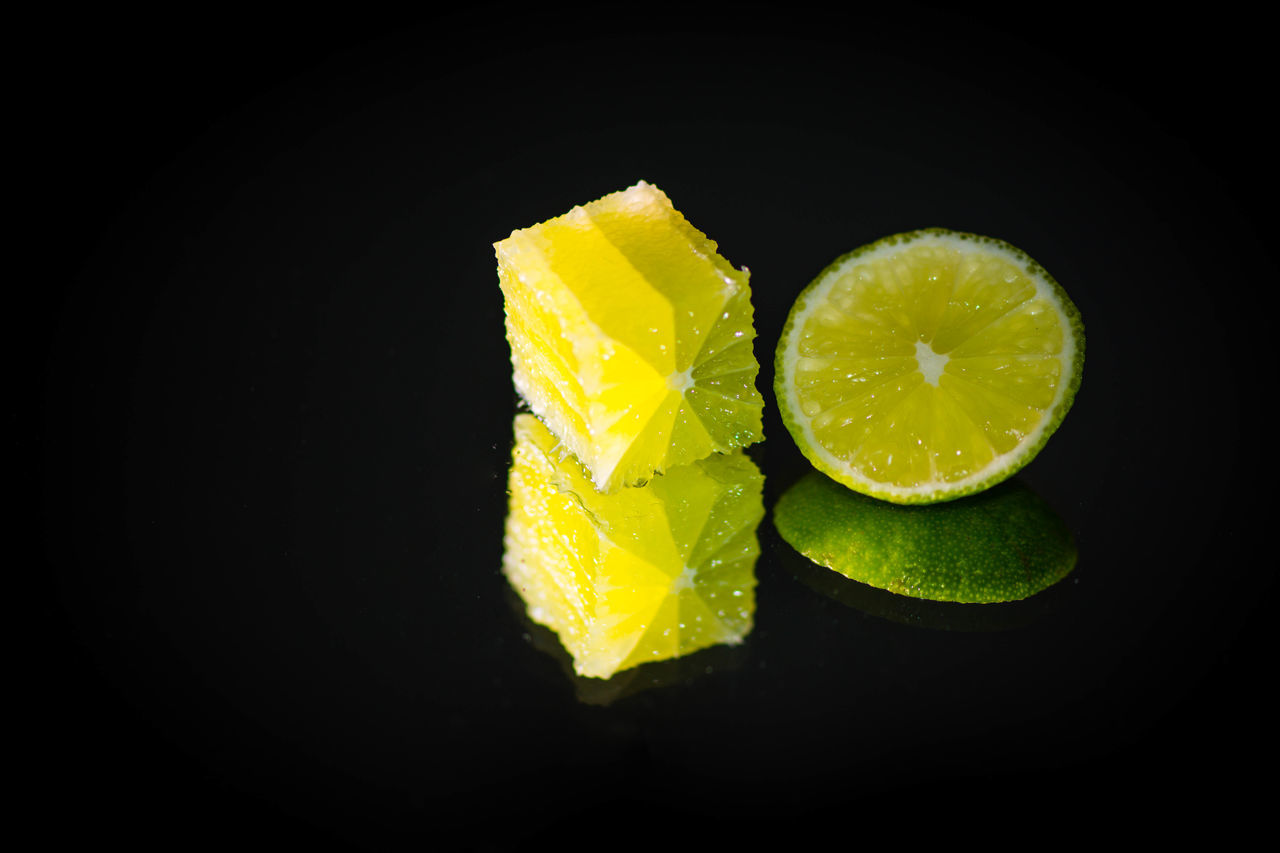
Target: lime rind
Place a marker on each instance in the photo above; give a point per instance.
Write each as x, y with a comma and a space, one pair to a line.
1003, 545
1003, 465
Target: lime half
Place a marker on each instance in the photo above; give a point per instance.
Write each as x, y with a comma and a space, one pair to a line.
928, 365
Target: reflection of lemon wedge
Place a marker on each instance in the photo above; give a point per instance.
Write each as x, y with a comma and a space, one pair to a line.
722, 658
1004, 544
643, 574
928, 365
631, 338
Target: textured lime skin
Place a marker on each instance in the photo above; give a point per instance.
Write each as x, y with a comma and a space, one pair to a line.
792, 419
1005, 544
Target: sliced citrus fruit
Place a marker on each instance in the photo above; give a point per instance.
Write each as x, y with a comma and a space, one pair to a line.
928, 365
631, 338
642, 574
1004, 544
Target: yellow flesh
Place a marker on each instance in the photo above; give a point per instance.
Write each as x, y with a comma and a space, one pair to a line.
630, 336
640, 575
858, 381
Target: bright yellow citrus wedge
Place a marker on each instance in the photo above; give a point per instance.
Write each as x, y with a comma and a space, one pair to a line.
642, 574
928, 365
631, 338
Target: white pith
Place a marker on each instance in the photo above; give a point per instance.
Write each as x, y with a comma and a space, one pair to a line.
931, 364
681, 380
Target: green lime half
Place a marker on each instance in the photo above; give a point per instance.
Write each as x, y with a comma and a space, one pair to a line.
928, 365
1004, 544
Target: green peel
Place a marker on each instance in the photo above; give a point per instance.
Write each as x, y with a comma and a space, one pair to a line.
1004, 544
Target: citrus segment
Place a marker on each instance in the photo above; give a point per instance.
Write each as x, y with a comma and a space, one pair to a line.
631, 337
928, 365
1004, 544
642, 574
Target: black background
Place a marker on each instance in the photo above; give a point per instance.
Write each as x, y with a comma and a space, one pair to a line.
274, 418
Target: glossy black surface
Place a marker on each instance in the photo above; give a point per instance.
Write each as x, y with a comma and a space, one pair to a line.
276, 412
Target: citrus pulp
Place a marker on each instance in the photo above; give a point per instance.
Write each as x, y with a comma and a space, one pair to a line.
928, 365
631, 337
642, 574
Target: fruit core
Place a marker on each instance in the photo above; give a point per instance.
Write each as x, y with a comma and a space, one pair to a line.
931, 363
680, 380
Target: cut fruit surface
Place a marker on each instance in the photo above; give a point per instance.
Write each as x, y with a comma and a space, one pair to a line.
631, 337
643, 574
928, 365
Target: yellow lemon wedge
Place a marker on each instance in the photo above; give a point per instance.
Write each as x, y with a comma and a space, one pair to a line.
631, 337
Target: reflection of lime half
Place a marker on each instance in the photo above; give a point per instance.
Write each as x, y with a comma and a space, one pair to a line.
643, 574
1004, 544
922, 612
631, 337
928, 365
